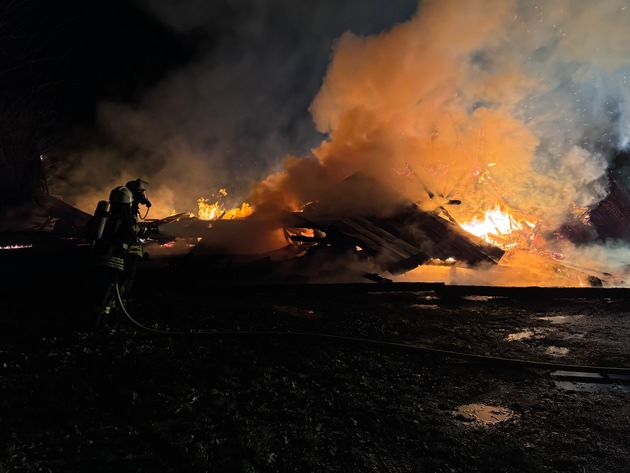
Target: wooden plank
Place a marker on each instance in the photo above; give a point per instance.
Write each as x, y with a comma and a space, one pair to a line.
379, 242
405, 245
370, 245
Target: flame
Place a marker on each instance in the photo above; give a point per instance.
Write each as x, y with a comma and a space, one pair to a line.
500, 228
15, 247
216, 210
495, 221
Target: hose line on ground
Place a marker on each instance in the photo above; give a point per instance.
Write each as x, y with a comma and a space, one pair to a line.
401, 347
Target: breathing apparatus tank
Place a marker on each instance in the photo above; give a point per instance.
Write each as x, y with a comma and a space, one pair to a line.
102, 213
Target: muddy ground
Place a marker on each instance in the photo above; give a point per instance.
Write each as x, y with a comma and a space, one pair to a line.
132, 400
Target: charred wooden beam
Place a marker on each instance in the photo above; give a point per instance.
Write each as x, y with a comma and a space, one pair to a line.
403, 239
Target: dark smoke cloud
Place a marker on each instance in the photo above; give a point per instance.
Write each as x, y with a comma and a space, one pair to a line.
229, 117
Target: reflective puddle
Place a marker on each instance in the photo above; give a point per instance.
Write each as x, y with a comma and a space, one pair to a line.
560, 319
523, 335
482, 414
590, 382
536, 333
556, 351
425, 306
482, 298
427, 300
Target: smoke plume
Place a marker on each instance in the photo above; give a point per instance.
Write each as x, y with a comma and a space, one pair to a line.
229, 117
531, 96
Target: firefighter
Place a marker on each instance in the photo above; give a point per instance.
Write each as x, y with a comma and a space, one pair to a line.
113, 230
138, 188
135, 252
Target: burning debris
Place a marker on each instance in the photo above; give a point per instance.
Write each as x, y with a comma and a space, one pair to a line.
393, 236
388, 236
397, 241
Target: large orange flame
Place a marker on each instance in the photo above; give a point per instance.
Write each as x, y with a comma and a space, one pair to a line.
216, 210
500, 228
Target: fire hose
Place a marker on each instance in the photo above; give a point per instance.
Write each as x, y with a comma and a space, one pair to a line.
399, 347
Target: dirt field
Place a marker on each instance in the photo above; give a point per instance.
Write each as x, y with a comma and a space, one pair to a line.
131, 400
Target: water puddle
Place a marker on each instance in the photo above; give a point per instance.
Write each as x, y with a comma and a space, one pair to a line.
482, 298
591, 387
482, 414
425, 306
537, 333
590, 382
523, 335
560, 319
556, 351
427, 300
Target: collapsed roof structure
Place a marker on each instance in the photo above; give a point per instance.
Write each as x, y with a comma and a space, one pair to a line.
399, 238
395, 234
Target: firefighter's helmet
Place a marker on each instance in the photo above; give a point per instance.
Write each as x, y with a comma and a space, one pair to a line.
121, 195
138, 189
137, 185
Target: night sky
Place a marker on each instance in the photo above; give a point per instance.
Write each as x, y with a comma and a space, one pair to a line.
83, 52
